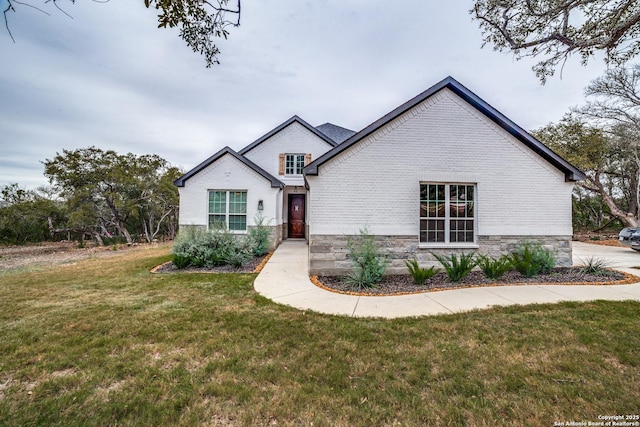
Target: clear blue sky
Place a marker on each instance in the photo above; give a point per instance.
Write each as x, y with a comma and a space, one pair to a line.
110, 78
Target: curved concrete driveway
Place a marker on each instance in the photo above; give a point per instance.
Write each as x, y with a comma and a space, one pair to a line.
285, 280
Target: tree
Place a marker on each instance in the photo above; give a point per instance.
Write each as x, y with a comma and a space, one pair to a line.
111, 194
159, 201
615, 97
615, 105
200, 22
604, 159
556, 29
25, 215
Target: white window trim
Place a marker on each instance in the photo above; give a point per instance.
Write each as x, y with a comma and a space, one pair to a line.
226, 214
447, 223
295, 160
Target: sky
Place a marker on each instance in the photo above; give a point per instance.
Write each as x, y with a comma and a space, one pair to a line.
108, 77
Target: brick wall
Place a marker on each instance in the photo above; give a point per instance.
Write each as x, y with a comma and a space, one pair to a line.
227, 173
293, 139
376, 182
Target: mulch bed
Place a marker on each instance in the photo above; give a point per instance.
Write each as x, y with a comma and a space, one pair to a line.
252, 266
403, 284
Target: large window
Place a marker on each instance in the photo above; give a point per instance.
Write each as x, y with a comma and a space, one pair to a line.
293, 164
447, 213
228, 208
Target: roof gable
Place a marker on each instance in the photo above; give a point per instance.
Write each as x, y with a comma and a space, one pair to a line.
294, 119
275, 182
571, 172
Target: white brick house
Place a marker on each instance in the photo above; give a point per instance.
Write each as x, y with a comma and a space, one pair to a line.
443, 172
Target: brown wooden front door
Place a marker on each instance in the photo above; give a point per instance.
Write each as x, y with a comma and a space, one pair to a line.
296, 216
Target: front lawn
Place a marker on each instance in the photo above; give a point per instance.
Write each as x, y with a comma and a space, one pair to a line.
104, 342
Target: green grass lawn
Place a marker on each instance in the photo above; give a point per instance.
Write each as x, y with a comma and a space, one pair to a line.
104, 342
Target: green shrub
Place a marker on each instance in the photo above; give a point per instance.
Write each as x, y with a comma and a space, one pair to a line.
596, 266
532, 259
369, 264
238, 258
198, 247
457, 268
494, 268
419, 274
259, 236
181, 261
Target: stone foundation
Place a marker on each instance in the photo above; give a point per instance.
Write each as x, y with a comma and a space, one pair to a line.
329, 254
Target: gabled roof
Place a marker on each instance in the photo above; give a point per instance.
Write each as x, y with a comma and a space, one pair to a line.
294, 119
336, 133
275, 182
571, 172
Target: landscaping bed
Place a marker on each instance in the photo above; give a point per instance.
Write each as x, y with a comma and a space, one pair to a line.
404, 284
254, 265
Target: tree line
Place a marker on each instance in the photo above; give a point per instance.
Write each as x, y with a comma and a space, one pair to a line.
94, 194
602, 138
113, 196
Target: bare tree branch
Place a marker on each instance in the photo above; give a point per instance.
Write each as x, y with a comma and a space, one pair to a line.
557, 29
200, 21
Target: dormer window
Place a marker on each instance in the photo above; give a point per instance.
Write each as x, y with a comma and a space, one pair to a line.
292, 164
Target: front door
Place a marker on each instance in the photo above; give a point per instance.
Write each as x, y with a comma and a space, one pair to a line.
296, 216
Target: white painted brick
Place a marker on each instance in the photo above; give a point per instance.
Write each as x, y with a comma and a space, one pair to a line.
295, 138
227, 173
376, 182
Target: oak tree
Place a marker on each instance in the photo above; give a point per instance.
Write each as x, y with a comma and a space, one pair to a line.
611, 174
200, 22
115, 194
553, 30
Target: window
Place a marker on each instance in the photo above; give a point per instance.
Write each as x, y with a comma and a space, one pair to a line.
294, 163
228, 208
447, 213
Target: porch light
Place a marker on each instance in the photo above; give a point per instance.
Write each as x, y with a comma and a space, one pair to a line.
260, 205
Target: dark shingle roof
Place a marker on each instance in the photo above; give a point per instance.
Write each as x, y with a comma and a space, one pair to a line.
336, 133
571, 172
275, 182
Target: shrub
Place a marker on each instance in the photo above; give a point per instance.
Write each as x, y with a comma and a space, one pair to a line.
419, 274
596, 266
259, 236
198, 247
494, 268
369, 264
237, 258
532, 259
457, 268
181, 261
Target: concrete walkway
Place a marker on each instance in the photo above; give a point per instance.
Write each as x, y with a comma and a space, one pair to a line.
285, 280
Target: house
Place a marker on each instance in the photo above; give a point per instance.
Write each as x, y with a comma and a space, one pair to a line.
444, 172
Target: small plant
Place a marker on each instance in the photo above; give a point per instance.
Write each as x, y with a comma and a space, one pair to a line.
369, 264
259, 236
596, 266
494, 268
532, 259
181, 261
457, 268
420, 275
237, 258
